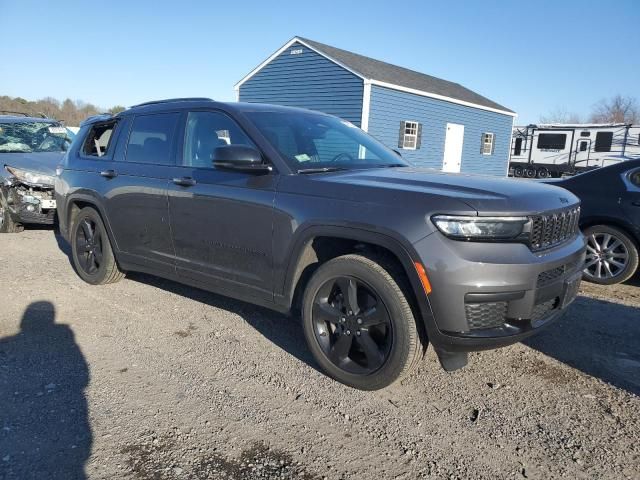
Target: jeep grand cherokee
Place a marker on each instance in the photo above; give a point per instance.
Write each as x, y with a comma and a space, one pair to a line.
301, 211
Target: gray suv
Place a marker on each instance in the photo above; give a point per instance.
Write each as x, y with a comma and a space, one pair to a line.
302, 212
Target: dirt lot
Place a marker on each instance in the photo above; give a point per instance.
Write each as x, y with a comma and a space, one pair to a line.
148, 379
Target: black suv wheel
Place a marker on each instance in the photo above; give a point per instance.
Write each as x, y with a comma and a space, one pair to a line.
91, 249
612, 257
358, 323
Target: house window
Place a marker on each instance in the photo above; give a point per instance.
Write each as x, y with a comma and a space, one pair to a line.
552, 141
487, 143
410, 135
604, 141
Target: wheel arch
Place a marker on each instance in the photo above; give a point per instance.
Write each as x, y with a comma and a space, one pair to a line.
76, 202
611, 222
318, 244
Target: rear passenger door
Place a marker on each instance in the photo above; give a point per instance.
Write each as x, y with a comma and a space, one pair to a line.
137, 200
221, 220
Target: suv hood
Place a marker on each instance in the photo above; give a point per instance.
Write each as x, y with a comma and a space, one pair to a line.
39, 162
487, 195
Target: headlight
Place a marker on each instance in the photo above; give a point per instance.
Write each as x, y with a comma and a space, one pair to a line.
483, 228
31, 178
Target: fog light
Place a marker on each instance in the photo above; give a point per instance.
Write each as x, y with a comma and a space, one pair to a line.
30, 208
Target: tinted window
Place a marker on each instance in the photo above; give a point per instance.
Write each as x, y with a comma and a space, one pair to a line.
150, 138
98, 141
552, 141
205, 132
603, 141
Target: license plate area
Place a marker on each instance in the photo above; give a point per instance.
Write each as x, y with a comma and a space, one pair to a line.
47, 204
570, 290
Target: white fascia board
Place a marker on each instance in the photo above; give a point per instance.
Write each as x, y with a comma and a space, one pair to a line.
285, 47
366, 103
510, 148
441, 97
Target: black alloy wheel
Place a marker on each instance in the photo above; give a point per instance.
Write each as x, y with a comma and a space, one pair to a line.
358, 321
88, 246
352, 325
91, 250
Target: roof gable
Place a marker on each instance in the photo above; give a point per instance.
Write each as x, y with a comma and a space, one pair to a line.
391, 76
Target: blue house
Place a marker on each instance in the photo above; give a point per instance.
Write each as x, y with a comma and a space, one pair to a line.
430, 121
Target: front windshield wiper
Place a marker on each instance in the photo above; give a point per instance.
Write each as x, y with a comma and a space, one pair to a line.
321, 170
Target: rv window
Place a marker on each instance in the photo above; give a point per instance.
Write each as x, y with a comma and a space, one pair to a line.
585, 133
603, 141
552, 141
487, 143
583, 146
517, 149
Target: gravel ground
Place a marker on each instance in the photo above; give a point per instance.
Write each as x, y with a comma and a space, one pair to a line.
148, 379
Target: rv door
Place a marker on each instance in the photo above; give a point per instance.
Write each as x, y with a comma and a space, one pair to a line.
582, 152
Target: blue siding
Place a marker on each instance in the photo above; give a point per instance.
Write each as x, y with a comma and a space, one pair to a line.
307, 80
389, 107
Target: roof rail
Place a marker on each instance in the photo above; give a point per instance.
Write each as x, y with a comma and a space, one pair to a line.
170, 100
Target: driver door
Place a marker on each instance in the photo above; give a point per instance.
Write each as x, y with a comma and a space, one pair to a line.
221, 221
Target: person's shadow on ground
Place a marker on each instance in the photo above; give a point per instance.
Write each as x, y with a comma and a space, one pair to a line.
44, 424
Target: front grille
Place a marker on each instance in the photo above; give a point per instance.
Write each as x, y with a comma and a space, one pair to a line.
550, 276
549, 230
485, 315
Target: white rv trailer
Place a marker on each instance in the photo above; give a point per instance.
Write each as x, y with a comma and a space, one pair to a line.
546, 150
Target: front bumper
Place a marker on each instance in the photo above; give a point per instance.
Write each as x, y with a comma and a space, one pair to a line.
488, 295
30, 205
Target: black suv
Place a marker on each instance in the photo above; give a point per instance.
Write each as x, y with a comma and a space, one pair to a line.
289, 208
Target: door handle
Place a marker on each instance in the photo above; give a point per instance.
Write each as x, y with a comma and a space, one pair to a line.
108, 173
184, 181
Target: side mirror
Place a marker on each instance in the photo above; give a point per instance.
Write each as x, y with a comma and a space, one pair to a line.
240, 158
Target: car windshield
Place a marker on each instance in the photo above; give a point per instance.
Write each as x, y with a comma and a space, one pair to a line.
314, 143
29, 137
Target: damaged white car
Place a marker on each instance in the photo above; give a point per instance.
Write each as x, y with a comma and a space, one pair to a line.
30, 150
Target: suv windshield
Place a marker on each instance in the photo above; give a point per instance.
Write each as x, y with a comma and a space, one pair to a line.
29, 137
313, 142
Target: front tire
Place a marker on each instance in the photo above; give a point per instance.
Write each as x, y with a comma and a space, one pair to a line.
7, 225
358, 323
91, 250
612, 256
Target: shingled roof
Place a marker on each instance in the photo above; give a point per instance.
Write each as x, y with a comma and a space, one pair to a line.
393, 75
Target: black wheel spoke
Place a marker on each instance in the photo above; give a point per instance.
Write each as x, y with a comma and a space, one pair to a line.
374, 316
322, 310
340, 349
87, 230
349, 289
370, 349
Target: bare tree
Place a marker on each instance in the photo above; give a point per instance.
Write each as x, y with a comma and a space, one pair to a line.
618, 109
69, 111
560, 115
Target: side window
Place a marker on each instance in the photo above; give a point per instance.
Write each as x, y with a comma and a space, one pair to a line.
150, 138
604, 141
635, 178
205, 132
98, 140
487, 143
410, 137
552, 141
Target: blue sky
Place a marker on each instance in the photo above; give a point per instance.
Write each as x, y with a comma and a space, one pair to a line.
532, 57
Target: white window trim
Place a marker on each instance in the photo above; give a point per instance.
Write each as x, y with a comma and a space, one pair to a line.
486, 135
414, 136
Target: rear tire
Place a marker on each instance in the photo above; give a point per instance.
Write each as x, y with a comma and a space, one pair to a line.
612, 256
530, 172
358, 323
91, 250
517, 171
543, 173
